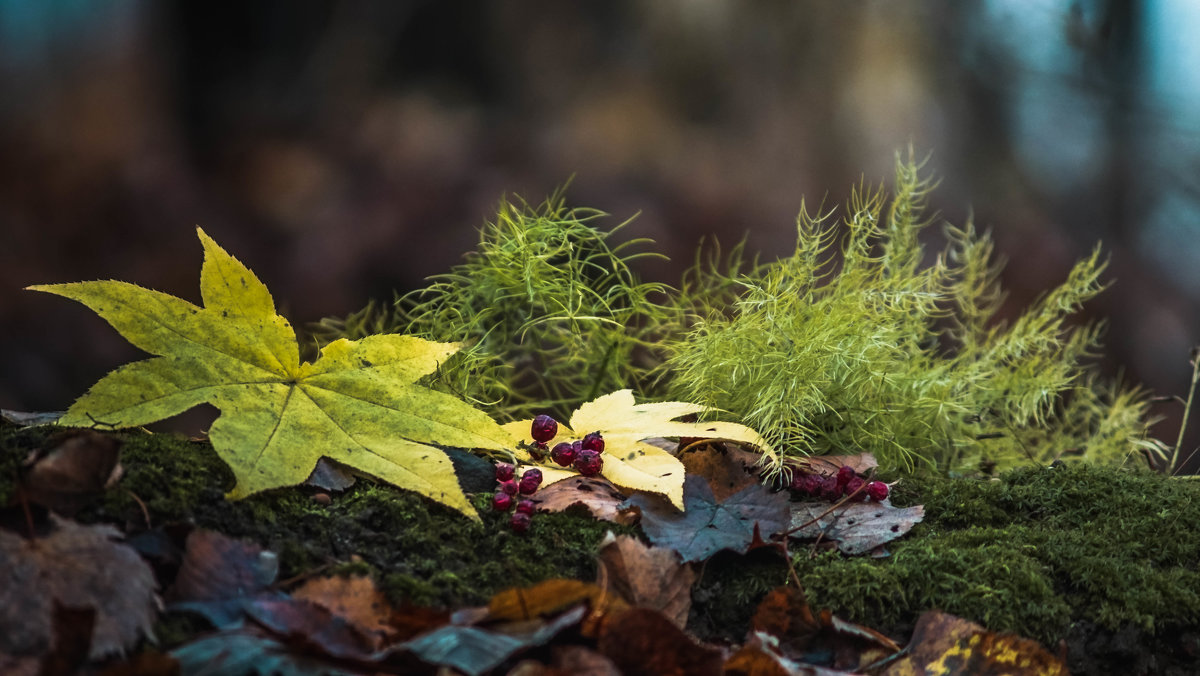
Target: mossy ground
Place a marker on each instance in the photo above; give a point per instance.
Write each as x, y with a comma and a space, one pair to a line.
1066, 553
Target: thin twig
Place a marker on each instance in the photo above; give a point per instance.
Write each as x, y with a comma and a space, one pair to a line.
1187, 409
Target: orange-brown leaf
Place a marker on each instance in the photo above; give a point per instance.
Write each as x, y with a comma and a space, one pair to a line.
647, 577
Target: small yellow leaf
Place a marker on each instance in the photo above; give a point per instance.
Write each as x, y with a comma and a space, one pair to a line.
629, 461
356, 404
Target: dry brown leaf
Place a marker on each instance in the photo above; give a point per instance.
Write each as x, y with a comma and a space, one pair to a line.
72, 468
542, 599
596, 494
946, 644
647, 577
856, 527
785, 614
76, 567
828, 465
355, 600
727, 468
216, 568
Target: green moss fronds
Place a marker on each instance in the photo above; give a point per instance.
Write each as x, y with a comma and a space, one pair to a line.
550, 309
856, 342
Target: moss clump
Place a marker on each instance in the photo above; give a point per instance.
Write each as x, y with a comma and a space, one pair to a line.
420, 551
1033, 552
854, 343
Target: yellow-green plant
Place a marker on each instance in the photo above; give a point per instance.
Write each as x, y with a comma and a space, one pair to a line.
549, 307
855, 343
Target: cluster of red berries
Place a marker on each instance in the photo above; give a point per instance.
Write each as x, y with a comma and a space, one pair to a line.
583, 455
845, 482
510, 488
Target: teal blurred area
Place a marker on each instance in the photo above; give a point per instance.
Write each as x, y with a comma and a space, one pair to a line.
348, 149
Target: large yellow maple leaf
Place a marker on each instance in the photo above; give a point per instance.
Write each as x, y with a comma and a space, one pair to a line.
629, 461
356, 404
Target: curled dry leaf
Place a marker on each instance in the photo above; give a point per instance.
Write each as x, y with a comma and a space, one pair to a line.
647, 577
543, 599
940, 640
596, 494
856, 527
73, 566
71, 469
355, 600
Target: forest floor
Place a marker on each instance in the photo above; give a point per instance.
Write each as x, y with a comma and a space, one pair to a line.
1043, 570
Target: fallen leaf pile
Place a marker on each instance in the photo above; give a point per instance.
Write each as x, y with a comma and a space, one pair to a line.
79, 597
629, 460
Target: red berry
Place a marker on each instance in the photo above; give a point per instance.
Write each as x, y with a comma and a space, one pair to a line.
509, 487
803, 482
829, 489
563, 453
526, 507
504, 471
853, 485
877, 490
593, 442
527, 486
519, 522
501, 501
797, 483
845, 474
532, 474
543, 428
588, 462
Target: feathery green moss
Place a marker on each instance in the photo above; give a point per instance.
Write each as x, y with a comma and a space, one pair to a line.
855, 343
549, 307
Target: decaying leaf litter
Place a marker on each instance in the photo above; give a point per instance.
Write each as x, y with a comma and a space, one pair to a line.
345, 626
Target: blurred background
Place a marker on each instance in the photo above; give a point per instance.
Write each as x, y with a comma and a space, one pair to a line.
346, 150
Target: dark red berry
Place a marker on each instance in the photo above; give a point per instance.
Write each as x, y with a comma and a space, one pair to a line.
808, 484
797, 482
845, 474
543, 428
509, 487
593, 442
588, 462
504, 471
501, 501
563, 453
526, 507
519, 522
532, 474
527, 486
829, 489
852, 486
877, 490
